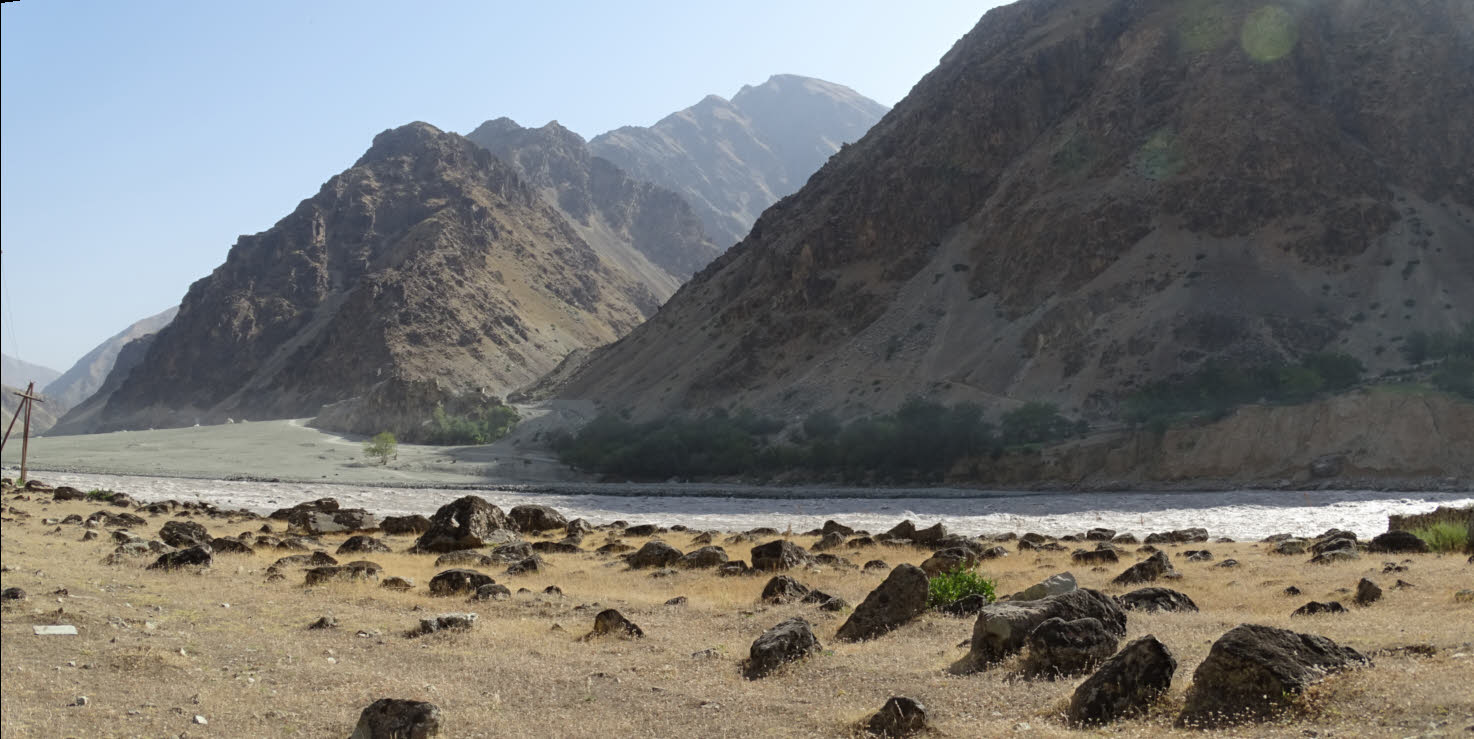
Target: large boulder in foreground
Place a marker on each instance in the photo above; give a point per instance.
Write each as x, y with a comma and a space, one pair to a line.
1060, 648
465, 523
1156, 599
184, 534
1398, 542
1002, 628
1253, 671
393, 718
896, 601
1125, 686
788, 641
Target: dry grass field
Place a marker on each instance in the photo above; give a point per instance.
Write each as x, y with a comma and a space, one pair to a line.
156, 649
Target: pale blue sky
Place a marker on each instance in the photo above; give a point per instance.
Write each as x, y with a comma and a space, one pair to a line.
141, 138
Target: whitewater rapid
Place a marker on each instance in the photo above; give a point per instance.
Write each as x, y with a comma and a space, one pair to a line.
1246, 514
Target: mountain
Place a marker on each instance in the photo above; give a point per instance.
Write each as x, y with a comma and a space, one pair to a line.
87, 375
1089, 195
428, 270
17, 372
82, 418
731, 159
645, 230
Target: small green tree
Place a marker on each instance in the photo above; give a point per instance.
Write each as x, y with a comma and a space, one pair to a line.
383, 446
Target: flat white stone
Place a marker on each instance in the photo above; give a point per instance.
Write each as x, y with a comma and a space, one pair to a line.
61, 630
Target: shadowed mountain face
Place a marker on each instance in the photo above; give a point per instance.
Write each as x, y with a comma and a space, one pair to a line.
647, 231
731, 159
1087, 195
428, 261
88, 374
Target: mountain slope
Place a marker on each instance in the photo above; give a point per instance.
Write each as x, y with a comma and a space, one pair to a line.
429, 264
43, 416
646, 230
86, 376
731, 159
18, 372
1087, 195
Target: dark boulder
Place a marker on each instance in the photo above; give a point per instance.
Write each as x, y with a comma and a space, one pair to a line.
704, 558
654, 554
783, 589
357, 571
1198, 555
527, 566
1146, 570
644, 529
363, 544
458, 582
898, 718
492, 591
1060, 648
834, 527
899, 599
610, 622
565, 546
1398, 542
536, 518
465, 558
1367, 592
222, 545
1317, 608
1094, 556
947, 560
444, 622
340, 521
1180, 536
1125, 686
321, 504
969, 605
788, 641
183, 534
198, 556
466, 523
828, 542
395, 525
1335, 555
1156, 599
1253, 671
779, 554
1003, 628
392, 718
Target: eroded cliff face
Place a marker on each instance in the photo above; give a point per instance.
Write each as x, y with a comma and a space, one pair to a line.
1088, 195
428, 260
645, 230
1361, 436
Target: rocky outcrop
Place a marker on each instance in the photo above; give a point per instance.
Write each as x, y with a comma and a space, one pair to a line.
394, 718
788, 641
898, 600
1003, 628
88, 374
1126, 685
466, 523
428, 261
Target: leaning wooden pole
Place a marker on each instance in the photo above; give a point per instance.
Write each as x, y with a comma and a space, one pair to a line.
25, 438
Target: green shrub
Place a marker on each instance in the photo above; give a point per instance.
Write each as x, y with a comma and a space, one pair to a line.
956, 584
1445, 536
383, 446
1035, 423
485, 426
102, 495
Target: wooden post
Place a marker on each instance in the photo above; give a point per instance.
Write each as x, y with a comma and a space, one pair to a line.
26, 399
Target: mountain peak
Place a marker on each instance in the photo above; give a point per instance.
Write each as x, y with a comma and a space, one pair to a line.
409, 139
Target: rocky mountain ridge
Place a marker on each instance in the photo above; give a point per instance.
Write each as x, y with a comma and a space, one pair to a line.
1088, 195
429, 261
87, 375
731, 159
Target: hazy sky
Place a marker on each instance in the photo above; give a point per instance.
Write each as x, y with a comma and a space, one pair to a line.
140, 139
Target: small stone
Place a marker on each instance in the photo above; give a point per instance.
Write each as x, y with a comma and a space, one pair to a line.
899, 717
81, 700
1367, 592
326, 622
198, 719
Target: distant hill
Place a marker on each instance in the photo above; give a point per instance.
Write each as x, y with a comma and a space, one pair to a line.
731, 159
645, 230
427, 271
17, 372
43, 416
87, 375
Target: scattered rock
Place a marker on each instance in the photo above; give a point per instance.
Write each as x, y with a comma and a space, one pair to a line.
1060, 648
466, 523
1253, 671
899, 717
1147, 570
458, 582
947, 560
1464, 596
704, 558
1002, 628
339, 521
1227, 563
779, 554
1094, 556
1398, 542
397, 583
536, 518
832, 540
679, 600
1198, 555
1056, 584
654, 554
1291, 591
527, 566
362, 544
1156, 599
876, 565
199, 556
326, 622
492, 591
1289, 547
1180, 536
358, 571
788, 641
393, 718
900, 598
1335, 555
1316, 608
222, 545
1367, 592
783, 589
184, 534
395, 525
969, 605
611, 622
1125, 686
445, 622
12, 594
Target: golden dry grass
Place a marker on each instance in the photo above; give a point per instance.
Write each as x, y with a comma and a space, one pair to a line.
156, 648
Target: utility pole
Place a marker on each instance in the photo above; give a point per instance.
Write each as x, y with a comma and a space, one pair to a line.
26, 399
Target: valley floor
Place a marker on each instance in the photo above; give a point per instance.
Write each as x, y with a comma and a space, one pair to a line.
156, 649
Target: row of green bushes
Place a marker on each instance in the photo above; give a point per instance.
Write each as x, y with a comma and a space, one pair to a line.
920, 441
1217, 389
484, 426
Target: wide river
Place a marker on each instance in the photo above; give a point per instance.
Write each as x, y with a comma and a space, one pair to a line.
1248, 514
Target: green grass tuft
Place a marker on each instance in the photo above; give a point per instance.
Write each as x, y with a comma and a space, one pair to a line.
954, 585
1445, 536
